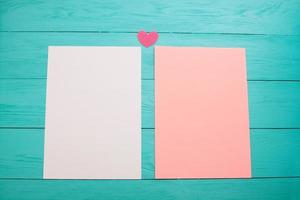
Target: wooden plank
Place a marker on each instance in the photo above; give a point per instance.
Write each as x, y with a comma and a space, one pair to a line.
274, 153
24, 153
255, 17
238, 189
24, 55
147, 154
272, 104
22, 105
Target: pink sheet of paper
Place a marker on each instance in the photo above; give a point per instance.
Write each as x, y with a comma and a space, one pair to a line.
201, 113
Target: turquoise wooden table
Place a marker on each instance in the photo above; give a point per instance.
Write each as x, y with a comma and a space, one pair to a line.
270, 30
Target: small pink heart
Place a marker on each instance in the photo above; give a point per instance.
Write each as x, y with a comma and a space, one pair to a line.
147, 39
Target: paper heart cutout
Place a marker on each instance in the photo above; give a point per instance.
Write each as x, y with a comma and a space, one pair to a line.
147, 39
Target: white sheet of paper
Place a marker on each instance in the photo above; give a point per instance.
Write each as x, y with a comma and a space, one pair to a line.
93, 113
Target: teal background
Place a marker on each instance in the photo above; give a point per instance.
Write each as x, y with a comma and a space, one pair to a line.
268, 29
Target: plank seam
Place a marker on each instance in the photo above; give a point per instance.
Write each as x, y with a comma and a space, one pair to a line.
41, 128
190, 179
160, 32
152, 79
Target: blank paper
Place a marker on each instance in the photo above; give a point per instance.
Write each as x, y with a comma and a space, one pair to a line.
93, 113
201, 113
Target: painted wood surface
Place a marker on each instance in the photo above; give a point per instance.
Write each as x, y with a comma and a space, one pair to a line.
274, 153
269, 57
247, 189
269, 30
190, 16
272, 104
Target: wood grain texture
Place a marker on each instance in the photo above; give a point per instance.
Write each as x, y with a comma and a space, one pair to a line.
24, 153
280, 148
272, 104
229, 16
248, 189
269, 57
274, 153
269, 30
